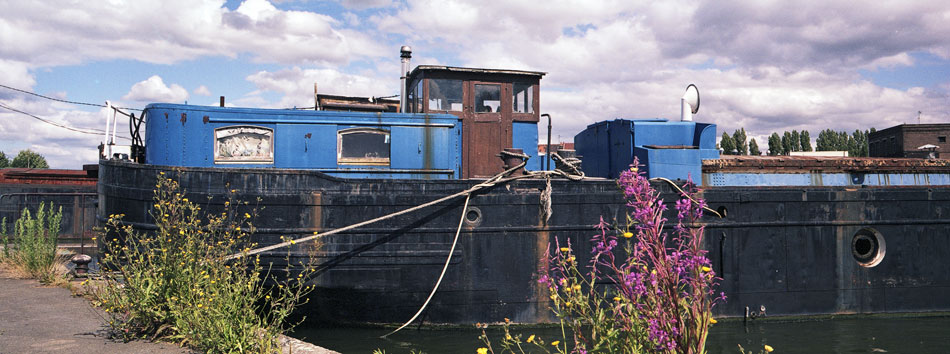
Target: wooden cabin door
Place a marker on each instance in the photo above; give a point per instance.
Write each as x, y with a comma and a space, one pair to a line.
486, 126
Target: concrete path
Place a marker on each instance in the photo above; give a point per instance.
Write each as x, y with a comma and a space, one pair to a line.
39, 319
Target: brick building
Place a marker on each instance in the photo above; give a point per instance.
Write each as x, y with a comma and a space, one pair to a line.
905, 139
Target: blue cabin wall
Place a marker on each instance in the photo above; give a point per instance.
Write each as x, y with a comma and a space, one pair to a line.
422, 146
524, 136
609, 147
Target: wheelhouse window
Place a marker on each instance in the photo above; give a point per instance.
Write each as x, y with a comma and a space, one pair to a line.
445, 95
363, 146
487, 98
522, 98
414, 98
418, 102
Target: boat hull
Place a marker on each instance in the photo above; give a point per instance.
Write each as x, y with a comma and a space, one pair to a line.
786, 249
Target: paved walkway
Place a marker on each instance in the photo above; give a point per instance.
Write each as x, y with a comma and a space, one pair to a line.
39, 319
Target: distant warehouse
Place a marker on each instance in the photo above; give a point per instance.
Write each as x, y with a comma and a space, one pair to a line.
910, 140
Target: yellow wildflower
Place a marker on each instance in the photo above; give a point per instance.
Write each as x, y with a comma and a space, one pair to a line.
200, 305
555, 343
531, 338
706, 269
768, 348
617, 298
627, 234
565, 249
577, 287
713, 321
482, 350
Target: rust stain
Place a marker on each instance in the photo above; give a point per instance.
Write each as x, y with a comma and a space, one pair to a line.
541, 299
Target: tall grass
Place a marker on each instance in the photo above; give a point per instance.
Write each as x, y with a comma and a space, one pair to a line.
175, 284
33, 250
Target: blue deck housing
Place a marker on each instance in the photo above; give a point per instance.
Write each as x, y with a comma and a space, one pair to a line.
673, 150
377, 145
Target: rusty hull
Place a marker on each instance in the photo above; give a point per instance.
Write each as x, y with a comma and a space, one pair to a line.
804, 164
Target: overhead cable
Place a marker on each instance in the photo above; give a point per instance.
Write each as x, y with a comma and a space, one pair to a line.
78, 130
64, 101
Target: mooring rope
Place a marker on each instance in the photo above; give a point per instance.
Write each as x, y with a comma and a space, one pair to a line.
441, 276
497, 179
667, 180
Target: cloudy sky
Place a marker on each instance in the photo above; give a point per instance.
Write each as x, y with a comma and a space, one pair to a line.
762, 65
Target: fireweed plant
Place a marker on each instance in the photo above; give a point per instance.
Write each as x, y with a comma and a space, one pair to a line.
657, 298
174, 283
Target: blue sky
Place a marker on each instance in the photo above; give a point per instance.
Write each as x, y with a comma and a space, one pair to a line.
761, 66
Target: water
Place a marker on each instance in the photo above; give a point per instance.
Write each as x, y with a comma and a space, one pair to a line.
850, 335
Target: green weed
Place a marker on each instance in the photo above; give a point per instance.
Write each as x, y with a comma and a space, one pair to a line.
175, 284
33, 249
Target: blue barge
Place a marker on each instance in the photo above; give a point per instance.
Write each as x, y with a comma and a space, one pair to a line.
800, 236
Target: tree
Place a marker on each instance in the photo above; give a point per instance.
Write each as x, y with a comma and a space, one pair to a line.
4, 161
754, 148
739, 139
29, 159
795, 141
727, 144
787, 143
805, 141
775, 144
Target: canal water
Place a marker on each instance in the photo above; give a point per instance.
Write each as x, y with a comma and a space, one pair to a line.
847, 335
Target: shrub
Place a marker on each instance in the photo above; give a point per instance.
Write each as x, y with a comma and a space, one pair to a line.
175, 283
33, 250
661, 293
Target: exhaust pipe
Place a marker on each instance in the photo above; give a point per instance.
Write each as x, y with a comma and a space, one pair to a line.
405, 53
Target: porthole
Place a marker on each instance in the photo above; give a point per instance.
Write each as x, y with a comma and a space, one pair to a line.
473, 216
868, 247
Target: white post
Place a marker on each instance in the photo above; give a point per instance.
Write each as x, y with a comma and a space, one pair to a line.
686, 111
106, 149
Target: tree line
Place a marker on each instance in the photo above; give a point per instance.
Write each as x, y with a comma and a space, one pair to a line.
856, 143
26, 158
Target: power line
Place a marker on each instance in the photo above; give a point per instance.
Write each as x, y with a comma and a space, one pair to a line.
84, 131
64, 101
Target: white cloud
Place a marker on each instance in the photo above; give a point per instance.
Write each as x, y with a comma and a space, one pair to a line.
165, 32
154, 89
765, 66
15, 74
296, 85
366, 4
202, 91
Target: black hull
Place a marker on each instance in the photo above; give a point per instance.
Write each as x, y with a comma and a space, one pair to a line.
786, 248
